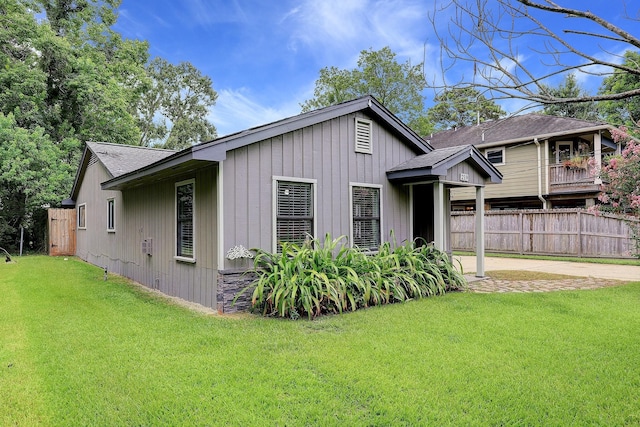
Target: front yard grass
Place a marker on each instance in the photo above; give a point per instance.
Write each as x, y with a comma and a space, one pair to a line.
75, 350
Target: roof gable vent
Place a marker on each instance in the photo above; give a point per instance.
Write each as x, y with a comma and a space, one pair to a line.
363, 136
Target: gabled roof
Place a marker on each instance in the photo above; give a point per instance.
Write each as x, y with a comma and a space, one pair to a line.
436, 163
515, 129
117, 159
216, 150
120, 159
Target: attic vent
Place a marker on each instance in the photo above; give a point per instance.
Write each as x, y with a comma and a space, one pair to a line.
93, 159
363, 136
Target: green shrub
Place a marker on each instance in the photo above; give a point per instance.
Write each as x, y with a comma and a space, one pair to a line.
314, 279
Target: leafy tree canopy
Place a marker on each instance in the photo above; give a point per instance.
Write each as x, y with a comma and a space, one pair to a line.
566, 90
460, 107
68, 77
182, 96
398, 86
623, 112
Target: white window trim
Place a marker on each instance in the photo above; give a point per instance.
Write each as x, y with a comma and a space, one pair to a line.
111, 230
175, 221
361, 184
369, 123
85, 216
274, 205
504, 155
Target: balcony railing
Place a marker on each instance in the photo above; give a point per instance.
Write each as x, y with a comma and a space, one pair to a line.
563, 179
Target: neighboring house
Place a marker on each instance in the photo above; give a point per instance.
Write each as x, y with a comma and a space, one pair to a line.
544, 160
177, 221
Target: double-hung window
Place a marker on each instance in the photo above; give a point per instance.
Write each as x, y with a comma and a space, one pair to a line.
111, 215
294, 211
185, 220
366, 216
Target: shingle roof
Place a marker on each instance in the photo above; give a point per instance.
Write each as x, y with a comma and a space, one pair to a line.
120, 159
437, 163
431, 159
524, 127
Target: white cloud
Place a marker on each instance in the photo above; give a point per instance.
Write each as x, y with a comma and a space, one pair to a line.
337, 30
236, 110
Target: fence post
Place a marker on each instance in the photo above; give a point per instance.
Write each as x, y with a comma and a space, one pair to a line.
521, 234
579, 235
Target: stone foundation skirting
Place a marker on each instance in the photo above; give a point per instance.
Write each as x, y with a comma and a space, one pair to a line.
230, 283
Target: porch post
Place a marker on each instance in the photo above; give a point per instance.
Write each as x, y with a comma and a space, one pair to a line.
479, 231
597, 154
438, 215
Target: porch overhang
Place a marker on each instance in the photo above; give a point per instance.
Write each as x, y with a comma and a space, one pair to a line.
438, 166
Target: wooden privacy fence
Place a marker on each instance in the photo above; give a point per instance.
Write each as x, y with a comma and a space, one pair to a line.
570, 232
62, 232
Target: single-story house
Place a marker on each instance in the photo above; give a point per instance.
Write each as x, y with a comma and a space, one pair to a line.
544, 160
180, 222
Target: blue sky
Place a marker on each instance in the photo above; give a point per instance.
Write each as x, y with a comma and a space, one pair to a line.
264, 56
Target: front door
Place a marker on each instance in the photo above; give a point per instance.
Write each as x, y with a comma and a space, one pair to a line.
423, 213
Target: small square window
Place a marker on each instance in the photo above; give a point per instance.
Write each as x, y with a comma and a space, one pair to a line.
111, 215
495, 156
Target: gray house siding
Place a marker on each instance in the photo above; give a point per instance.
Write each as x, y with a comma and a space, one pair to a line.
149, 213
473, 177
324, 152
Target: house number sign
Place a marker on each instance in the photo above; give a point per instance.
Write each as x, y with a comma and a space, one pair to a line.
464, 177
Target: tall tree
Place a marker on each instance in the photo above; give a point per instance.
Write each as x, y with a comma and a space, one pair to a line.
459, 107
31, 176
567, 90
498, 41
182, 96
22, 82
398, 86
623, 112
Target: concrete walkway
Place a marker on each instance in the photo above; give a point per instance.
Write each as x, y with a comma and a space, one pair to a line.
592, 276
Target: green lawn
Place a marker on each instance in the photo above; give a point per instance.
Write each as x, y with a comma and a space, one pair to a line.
75, 350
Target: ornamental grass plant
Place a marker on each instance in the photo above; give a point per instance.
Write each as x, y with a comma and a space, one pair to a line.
329, 277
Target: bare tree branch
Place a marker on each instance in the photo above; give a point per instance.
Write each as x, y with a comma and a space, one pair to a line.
505, 42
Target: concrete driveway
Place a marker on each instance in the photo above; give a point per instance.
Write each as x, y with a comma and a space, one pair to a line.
628, 273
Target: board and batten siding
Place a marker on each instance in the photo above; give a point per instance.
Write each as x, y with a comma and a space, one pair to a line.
519, 175
148, 212
324, 152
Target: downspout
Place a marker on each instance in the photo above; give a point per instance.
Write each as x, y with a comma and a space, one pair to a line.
542, 199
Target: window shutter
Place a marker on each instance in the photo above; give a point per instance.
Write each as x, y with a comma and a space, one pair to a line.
366, 217
294, 212
363, 136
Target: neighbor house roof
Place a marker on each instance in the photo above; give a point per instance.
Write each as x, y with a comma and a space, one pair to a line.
438, 162
514, 129
217, 149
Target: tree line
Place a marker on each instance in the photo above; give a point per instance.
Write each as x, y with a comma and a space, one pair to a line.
68, 77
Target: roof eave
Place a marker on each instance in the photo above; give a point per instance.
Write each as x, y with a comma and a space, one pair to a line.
544, 136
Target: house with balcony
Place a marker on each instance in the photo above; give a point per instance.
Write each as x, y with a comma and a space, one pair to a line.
546, 161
